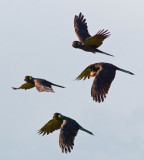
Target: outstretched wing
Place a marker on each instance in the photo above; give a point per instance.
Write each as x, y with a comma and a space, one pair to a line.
67, 135
49, 127
101, 84
43, 85
25, 86
97, 39
81, 28
85, 74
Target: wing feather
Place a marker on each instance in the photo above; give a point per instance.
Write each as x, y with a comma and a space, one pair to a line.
68, 133
85, 74
101, 84
25, 86
81, 28
50, 127
43, 85
97, 39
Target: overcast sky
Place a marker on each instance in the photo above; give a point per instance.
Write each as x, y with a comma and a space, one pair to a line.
36, 39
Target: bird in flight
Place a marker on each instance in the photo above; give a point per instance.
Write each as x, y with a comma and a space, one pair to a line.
104, 74
86, 41
41, 85
68, 130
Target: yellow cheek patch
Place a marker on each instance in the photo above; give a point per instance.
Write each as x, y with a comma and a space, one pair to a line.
92, 74
30, 78
59, 116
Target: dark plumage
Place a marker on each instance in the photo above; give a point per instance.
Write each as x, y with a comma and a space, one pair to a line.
68, 130
104, 74
86, 41
41, 85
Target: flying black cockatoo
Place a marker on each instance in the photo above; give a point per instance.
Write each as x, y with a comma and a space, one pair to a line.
104, 74
41, 85
86, 41
68, 130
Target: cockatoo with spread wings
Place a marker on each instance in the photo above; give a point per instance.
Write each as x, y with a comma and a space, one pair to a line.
41, 85
86, 41
68, 130
104, 74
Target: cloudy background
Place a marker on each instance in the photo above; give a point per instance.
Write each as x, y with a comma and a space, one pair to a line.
35, 39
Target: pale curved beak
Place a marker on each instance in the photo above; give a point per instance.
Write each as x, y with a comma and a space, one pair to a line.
53, 116
73, 44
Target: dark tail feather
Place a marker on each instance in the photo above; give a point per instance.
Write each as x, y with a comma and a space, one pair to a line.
97, 50
125, 71
81, 128
58, 85
15, 88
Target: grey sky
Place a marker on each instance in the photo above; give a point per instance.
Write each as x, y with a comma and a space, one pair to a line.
35, 39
